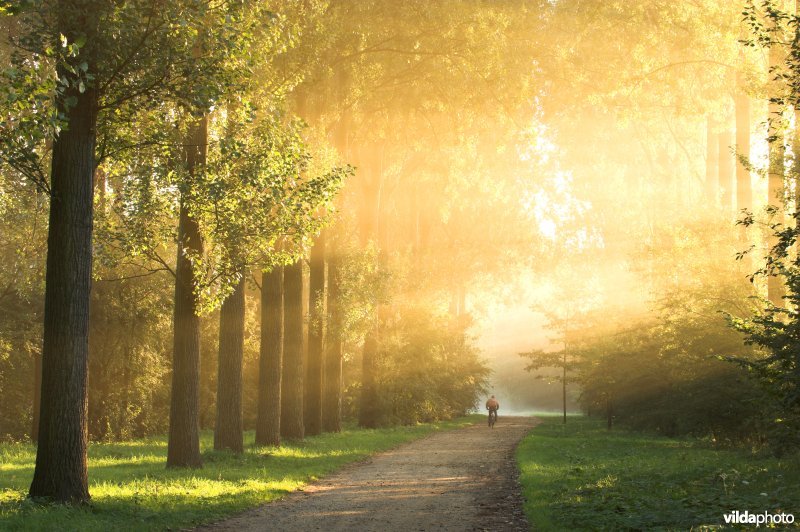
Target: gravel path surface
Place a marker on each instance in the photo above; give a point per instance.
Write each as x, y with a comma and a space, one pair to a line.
463, 479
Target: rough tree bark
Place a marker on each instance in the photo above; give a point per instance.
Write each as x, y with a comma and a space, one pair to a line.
312, 418
183, 449
796, 138
292, 376
37, 395
228, 430
268, 423
61, 468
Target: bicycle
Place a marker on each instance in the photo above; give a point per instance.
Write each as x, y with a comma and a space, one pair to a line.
492, 418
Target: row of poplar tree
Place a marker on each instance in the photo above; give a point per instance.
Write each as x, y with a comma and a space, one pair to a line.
134, 86
120, 118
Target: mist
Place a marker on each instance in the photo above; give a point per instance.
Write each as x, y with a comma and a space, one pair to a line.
296, 217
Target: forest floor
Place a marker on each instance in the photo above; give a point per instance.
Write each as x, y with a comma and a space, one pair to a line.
463, 479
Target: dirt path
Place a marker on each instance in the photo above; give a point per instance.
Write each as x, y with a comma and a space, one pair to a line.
464, 479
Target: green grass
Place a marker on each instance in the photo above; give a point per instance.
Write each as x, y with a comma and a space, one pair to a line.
583, 477
132, 490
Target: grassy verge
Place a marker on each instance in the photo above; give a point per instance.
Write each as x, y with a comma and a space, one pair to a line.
132, 490
582, 477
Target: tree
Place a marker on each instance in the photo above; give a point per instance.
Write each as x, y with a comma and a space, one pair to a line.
61, 468
292, 377
219, 196
776, 170
561, 359
107, 63
388, 127
23, 250
183, 449
312, 402
744, 195
712, 164
777, 330
261, 192
726, 171
228, 428
268, 424
775, 327
333, 357
334, 353
369, 408
431, 370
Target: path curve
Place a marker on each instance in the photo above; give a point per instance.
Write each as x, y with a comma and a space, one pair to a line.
464, 479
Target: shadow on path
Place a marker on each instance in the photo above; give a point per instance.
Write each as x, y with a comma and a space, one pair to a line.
463, 479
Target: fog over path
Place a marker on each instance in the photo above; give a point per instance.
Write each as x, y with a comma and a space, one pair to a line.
463, 479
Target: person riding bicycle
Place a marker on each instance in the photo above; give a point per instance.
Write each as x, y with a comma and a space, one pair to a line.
492, 405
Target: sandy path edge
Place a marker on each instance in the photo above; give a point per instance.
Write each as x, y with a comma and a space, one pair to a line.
462, 479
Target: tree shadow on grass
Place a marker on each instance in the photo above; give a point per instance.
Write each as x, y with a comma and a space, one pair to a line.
133, 496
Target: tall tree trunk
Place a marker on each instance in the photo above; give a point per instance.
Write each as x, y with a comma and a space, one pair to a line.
726, 171
369, 406
37, 395
712, 163
268, 424
564, 382
775, 288
292, 378
744, 194
334, 343
368, 411
316, 300
796, 142
372, 230
462, 303
228, 431
61, 468
183, 449
334, 356
126, 383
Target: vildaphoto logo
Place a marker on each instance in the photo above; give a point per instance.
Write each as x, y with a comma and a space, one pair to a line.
765, 518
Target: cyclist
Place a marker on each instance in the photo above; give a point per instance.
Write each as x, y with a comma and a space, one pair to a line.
492, 405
